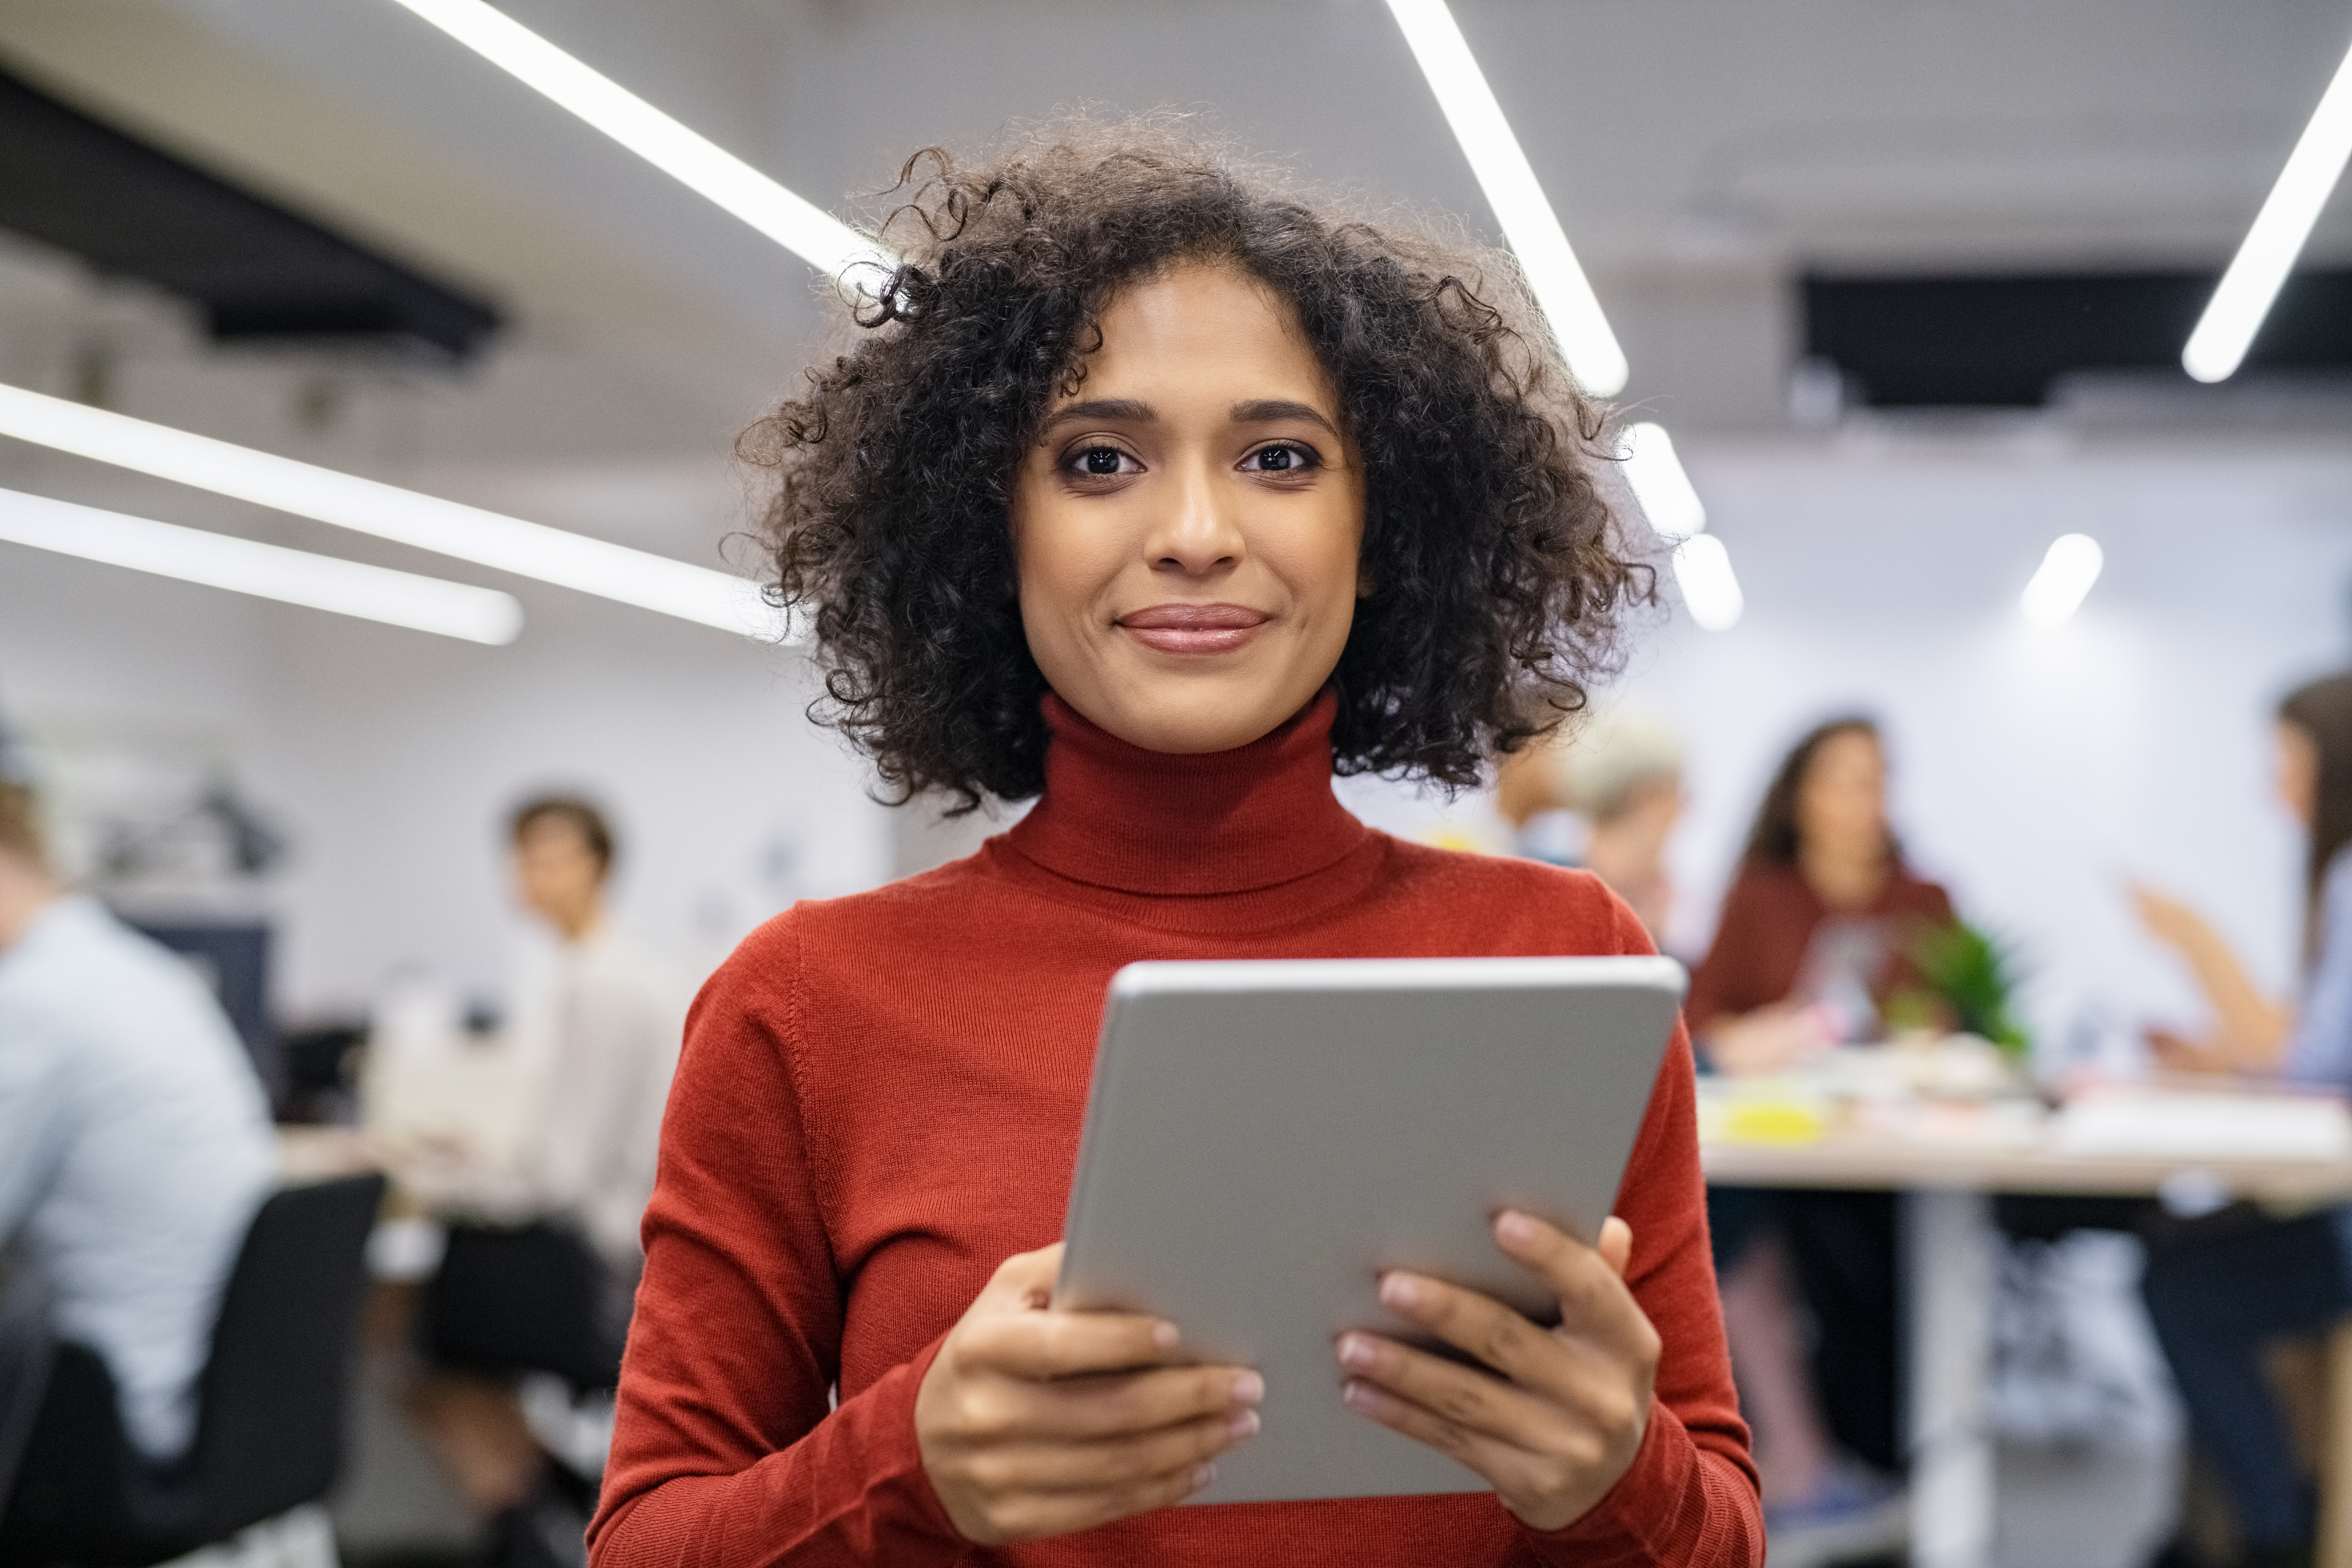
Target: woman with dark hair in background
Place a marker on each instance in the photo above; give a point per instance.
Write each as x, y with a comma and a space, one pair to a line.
2222, 1286
1156, 490
1813, 939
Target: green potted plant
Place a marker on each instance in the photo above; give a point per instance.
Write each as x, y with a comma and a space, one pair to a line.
1968, 979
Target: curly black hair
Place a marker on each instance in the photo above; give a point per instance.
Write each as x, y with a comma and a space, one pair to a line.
1499, 579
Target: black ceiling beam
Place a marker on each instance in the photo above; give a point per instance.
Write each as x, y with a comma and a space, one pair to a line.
2001, 341
256, 270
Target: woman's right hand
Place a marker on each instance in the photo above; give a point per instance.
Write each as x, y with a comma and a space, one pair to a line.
1034, 1422
2172, 922
2176, 1053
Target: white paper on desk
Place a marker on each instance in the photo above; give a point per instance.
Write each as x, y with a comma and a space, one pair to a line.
2160, 1124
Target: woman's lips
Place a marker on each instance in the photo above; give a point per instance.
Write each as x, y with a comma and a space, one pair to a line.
1193, 628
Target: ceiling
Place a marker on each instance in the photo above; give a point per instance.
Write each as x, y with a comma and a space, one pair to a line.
1702, 154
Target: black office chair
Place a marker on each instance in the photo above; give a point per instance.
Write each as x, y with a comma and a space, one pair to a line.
269, 1419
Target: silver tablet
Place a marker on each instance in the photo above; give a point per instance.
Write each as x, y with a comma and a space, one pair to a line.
1263, 1138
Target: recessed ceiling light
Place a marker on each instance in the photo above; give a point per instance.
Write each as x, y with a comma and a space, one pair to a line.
2058, 586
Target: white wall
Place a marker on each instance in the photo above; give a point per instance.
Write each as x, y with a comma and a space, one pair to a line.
2035, 770
392, 756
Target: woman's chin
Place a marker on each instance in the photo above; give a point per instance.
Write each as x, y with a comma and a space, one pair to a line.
1194, 722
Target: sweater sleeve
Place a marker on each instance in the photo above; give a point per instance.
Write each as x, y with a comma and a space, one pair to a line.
1690, 1498
2319, 1051
723, 1449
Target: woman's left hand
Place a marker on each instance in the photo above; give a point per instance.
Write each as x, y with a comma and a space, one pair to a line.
1562, 1412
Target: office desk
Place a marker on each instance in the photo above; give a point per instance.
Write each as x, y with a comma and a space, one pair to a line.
1950, 1277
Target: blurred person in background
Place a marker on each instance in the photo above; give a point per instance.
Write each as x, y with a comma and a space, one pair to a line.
542, 1256
1622, 772
135, 1148
2220, 1286
1810, 943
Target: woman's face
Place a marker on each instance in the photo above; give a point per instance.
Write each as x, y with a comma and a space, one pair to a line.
1842, 802
1186, 529
2298, 771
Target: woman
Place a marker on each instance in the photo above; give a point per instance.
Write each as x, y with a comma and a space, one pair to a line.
1811, 942
2221, 1288
1815, 931
1152, 491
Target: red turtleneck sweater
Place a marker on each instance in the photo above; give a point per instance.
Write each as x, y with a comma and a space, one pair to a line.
879, 1100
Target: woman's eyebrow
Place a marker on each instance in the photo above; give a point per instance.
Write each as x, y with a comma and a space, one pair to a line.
1265, 410
1123, 410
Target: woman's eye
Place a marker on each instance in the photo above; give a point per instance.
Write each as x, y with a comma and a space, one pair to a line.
1278, 459
1101, 462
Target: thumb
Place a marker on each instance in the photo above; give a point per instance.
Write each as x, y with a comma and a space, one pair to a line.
1615, 1245
1025, 1279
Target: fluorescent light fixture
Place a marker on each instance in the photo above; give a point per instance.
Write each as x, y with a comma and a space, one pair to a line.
1710, 591
826, 243
426, 522
1535, 235
1656, 476
267, 571
2065, 575
2226, 330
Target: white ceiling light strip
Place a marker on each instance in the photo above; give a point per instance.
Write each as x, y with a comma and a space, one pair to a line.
1512, 189
2064, 580
2244, 297
1710, 590
1702, 565
406, 517
694, 160
1667, 497
267, 571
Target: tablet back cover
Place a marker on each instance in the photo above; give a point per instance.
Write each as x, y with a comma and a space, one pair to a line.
1263, 1138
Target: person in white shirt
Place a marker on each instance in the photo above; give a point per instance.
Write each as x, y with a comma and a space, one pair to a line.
595, 1029
599, 1017
135, 1140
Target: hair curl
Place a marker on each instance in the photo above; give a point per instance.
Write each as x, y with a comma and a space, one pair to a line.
1499, 581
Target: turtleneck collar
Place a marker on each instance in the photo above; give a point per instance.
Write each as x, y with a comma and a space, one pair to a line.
1115, 815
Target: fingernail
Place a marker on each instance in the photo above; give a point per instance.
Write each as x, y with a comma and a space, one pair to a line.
1244, 1424
1356, 1395
1202, 1475
1165, 1336
1514, 1228
1396, 1291
1248, 1388
1355, 1351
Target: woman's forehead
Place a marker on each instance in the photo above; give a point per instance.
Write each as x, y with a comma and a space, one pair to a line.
1206, 330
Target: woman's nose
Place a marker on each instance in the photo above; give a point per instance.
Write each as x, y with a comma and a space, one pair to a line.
1198, 532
